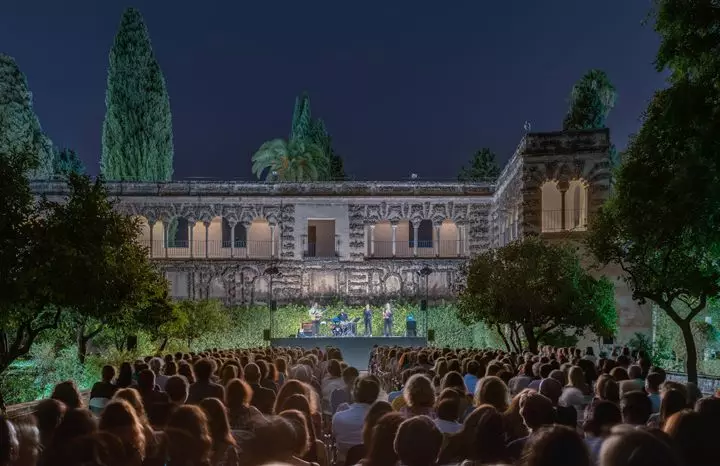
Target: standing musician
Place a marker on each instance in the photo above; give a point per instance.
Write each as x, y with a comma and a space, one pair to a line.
315, 315
367, 320
387, 320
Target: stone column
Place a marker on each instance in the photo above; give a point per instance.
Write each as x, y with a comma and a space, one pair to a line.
372, 240
191, 240
459, 238
463, 239
165, 237
272, 240
394, 235
247, 236
562, 187
152, 243
437, 239
207, 239
416, 229
232, 238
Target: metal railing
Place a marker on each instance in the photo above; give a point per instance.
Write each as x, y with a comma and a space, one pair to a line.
400, 249
319, 250
211, 249
567, 220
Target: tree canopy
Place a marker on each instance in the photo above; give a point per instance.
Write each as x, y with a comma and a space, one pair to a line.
662, 223
483, 167
20, 131
591, 100
539, 288
66, 161
137, 140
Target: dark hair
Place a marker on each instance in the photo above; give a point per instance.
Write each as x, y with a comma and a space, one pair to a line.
654, 380
75, 423
448, 409
380, 450
218, 423
108, 373
252, 373
333, 368
177, 388
488, 442
636, 408
146, 380
203, 369
376, 411
418, 442
124, 379
694, 437
672, 401
628, 446
188, 436
49, 414
555, 446
366, 390
301, 444
68, 393
602, 417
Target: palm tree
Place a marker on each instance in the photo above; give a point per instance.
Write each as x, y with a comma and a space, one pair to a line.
293, 160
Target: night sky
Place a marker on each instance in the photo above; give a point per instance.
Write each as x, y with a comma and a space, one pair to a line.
403, 86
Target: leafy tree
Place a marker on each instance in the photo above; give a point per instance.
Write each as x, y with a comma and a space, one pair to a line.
591, 100
193, 319
66, 161
662, 224
539, 288
483, 167
137, 142
109, 271
20, 131
296, 160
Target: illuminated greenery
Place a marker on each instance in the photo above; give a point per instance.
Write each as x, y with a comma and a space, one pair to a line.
66, 161
483, 167
137, 139
591, 100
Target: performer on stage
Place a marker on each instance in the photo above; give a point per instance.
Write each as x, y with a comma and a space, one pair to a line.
367, 319
387, 320
343, 316
315, 315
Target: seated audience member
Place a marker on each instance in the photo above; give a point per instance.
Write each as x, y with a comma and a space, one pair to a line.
397, 394
29, 442
68, 393
521, 381
627, 446
332, 381
223, 443
537, 411
544, 373
652, 387
317, 452
76, 423
177, 389
156, 366
188, 437
262, 398
602, 417
237, 401
488, 445
694, 437
448, 411
493, 391
347, 425
120, 419
555, 446
636, 408
204, 387
376, 411
418, 442
419, 395
341, 397
48, 415
380, 449
125, 376
105, 388
274, 440
564, 415
472, 375
155, 402
672, 401
574, 393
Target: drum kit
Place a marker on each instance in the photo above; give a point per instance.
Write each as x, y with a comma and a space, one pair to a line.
343, 328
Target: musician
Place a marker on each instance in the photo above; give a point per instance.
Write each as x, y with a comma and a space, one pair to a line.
343, 316
315, 315
367, 319
387, 320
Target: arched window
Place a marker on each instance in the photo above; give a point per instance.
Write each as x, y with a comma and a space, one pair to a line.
551, 207
576, 206
178, 234
425, 235
227, 237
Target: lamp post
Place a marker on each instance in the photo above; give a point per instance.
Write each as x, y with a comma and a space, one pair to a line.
425, 272
272, 272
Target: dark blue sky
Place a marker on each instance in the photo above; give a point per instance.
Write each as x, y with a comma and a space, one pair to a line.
404, 86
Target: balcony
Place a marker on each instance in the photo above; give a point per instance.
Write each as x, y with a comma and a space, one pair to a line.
211, 249
554, 221
319, 250
412, 249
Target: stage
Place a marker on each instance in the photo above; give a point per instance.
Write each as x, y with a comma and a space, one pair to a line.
355, 350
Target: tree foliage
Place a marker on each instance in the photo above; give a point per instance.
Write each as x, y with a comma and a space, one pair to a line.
137, 142
66, 161
483, 167
193, 319
20, 131
538, 288
591, 100
662, 224
294, 160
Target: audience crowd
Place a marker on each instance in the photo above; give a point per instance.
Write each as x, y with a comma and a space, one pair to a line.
410, 407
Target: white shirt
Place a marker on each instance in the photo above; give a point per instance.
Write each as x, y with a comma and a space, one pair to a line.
447, 427
347, 427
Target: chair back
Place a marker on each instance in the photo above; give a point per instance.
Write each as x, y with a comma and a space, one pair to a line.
96, 405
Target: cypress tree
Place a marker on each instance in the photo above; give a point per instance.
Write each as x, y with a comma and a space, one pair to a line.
137, 132
20, 131
591, 100
302, 124
483, 167
66, 161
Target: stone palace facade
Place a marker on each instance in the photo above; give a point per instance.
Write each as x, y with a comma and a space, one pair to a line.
360, 240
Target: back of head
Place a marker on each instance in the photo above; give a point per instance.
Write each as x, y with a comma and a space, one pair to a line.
448, 409
636, 408
418, 442
252, 373
635, 372
301, 437
602, 417
68, 393
188, 435
694, 436
146, 380
381, 440
653, 381
555, 446
177, 388
672, 401
203, 370
419, 392
156, 365
48, 415
75, 423
627, 446
108, 373
536, 410
552, 389
487, 444
492, 390
366, 390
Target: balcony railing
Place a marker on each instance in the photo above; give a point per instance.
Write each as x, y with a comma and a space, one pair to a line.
408, 249
211, 249
319, 250
567, 220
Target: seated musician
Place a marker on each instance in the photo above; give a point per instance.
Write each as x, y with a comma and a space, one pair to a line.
315, 315
343, 316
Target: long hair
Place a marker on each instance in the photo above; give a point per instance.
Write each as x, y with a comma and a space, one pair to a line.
188, 436
120, 418
381, 448
68, 393
218, 423
295, 387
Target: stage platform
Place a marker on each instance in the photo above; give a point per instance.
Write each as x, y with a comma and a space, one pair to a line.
355, 350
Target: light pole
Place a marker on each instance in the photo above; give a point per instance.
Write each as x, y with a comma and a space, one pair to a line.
272, 272
425, 272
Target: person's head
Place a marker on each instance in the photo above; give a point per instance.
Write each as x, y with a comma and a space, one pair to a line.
133, 397
607, 388
275, 440
634, 372
120, 419
418, 442
376, 411
156, 365
146, 380
628, 446
252, 373
653, 382
590, 351
10, 442
473, 368
555, 446
300, 403
237, 395
493, 391
419, 392
448, 409
333, 368
302, 439
536, 410
177, 388
552, 389
488, 439
381, 439
636, 408
295, 387
671, 402
694, 437
107, 374
349, 375
576, 377
68, 393
75, 423
366, 390
602, 417
229, 372
203, 370
30, 447
48, 415
218, 423
125, 375
188, 436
